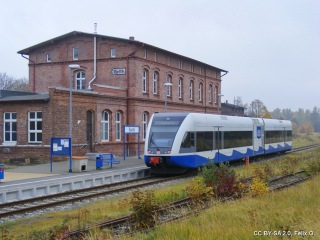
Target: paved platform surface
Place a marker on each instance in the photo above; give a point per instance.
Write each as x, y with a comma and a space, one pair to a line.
62, 168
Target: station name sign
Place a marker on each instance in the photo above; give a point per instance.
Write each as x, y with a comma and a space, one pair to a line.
131, 129
118, 71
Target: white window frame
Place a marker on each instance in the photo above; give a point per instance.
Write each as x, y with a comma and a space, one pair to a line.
80, 78
155, 82
144, 124
180, 86
113, 52
200, 91
105, 126
9, 124
144, 80
36, 121
75, 53
48, 57
118, 126
210, 93
168, 88
216, 95
191, 86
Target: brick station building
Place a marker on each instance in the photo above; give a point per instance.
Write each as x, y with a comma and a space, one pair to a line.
118, 82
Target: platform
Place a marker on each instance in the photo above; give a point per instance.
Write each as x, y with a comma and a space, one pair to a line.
30, 181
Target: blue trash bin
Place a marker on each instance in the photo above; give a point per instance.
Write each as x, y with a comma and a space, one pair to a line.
99, 162
1, 171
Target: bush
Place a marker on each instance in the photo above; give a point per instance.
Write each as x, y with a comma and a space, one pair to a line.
222, 179
198, 191
144, 206
258, 187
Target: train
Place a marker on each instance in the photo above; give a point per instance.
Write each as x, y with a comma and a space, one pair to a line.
178, 141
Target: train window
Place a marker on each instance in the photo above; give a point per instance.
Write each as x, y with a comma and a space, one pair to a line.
289, 135
274, 136
204, 141
237, 139
188, 143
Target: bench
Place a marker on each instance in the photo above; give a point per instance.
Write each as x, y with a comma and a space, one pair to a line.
106, 159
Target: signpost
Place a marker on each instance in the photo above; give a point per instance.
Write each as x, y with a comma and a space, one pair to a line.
131, 129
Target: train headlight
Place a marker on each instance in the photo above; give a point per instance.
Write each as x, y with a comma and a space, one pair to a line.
149, 151
169, 151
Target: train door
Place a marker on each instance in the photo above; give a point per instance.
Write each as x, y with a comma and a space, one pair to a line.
258, 136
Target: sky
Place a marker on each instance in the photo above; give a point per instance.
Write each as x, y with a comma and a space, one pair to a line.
271, 49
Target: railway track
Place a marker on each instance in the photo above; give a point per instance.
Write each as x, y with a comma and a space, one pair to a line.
49, 201
179, 209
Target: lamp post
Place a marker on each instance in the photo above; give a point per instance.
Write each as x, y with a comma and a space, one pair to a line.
71, 66
219, 103
167, 84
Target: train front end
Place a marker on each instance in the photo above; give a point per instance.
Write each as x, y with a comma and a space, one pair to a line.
161, 133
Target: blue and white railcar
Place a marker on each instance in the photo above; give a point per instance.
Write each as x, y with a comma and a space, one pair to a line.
190, 140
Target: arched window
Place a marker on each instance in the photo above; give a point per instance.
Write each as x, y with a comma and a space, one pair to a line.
105, 126
168, 88
155, 82
191, 90
200, 91
180, 88
118, 126
210, 93
215, 94
145, 75
145, 117
80, 80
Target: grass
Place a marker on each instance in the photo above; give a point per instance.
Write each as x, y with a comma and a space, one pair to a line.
244, 218
254, 214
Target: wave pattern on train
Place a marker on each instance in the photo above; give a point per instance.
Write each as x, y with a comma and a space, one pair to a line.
176, 142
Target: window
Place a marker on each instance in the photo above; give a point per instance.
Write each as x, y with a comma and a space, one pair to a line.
75, 54
200, 91
180, 88
191, 90
145, 53
48, 57
204, 141
145, 74
10, 127
216, 94
155, 57
113, 52
155, 82
168, 88
191, 68
80, 80
105, 126
210, 93
118, 126
144, 124
35, 127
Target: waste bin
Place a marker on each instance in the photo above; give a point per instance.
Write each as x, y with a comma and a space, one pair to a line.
99, 162
1, 171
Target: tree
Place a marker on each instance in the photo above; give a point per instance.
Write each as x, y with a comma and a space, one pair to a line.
258, 109
11, 83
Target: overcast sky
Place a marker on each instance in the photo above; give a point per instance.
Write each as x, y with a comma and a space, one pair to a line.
271, 49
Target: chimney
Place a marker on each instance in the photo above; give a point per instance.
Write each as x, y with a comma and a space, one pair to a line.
131, 38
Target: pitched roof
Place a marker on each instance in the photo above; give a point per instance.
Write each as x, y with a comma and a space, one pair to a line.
16, 96
29, 50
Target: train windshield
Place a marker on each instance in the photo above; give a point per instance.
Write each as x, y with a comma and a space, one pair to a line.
162, 132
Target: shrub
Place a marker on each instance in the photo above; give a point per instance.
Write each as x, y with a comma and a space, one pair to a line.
198, 191
313, 167
258, 187
144, 206
222, 179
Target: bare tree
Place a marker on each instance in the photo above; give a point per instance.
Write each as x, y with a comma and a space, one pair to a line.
11, 83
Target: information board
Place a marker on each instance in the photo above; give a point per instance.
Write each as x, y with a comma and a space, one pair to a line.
61, 147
